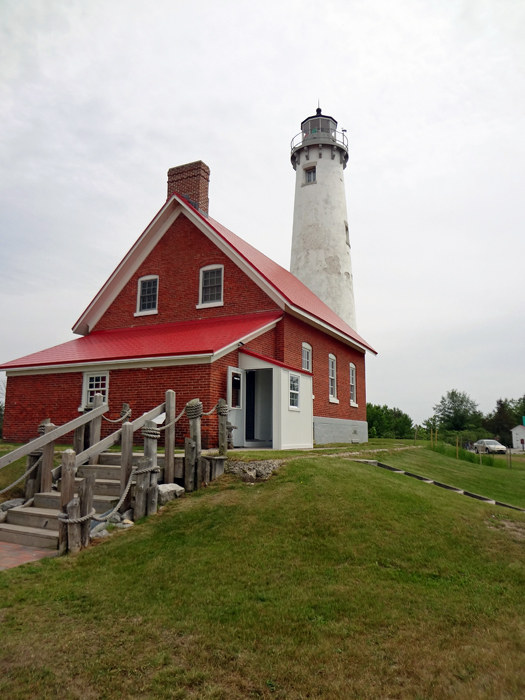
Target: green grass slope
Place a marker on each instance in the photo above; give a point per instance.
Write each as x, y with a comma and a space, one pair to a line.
333, 580
497, 482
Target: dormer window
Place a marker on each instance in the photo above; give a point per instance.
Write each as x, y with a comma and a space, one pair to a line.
147, 295
211, 286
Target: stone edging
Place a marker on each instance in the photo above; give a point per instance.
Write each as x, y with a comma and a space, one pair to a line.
441, 485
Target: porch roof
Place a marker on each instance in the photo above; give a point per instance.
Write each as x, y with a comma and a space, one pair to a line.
202, 337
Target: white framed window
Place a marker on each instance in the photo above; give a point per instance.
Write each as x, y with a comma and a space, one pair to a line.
147, 295
307, 357
332, 379
294, 392
211, 286
310, 175
94, 383
353, 394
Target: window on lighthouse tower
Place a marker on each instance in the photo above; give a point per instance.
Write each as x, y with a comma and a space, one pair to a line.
310, 175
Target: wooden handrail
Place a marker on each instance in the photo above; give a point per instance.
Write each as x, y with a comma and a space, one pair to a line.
114, 437
39, 442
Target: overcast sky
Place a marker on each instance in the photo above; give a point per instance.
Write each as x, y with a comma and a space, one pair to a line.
98, 99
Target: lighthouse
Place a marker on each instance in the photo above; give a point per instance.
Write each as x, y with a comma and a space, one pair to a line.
321, 239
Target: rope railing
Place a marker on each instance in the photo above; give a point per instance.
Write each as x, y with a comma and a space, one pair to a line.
24, 475
123, 417
106, 516
175, 420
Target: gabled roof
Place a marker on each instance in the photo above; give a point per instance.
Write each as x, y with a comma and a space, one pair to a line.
291, 294
211, 337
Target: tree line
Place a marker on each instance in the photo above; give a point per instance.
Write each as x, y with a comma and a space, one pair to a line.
456, 414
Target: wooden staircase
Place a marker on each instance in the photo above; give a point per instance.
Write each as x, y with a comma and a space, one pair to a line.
37, 525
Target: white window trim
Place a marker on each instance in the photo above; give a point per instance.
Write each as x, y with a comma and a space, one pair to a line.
332, 397
308, 347
85, 386
147, 312
352, 402
210, 304
298, 376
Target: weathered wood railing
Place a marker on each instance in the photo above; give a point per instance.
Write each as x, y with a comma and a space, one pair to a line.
76, 513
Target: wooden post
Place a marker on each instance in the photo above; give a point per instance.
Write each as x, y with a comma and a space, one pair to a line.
85, 496
150, 452
78, 439
169, 438
126, 463
73, 529
66, 494
31, 480
48, 453
95, 427
203, 472
141, 489
223, 433
195, 434
189, 464
152, 497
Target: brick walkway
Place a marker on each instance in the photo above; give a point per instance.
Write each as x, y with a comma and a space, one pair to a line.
12, 555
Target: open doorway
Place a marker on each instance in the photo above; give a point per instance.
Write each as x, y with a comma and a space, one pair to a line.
250, 397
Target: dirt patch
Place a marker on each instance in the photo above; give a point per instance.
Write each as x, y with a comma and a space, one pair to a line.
515, 530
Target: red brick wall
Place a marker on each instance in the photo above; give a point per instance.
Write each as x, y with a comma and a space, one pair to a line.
294, 333
29, 399
177, 259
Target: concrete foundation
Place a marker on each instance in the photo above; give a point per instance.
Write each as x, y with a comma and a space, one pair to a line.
339, 430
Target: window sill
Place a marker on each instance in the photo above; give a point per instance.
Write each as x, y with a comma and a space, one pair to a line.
150, 312
354, 404
210, 305
332, 399
294, 408
307, 184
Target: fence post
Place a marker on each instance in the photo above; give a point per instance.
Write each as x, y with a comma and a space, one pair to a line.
141, 487
85, 496
223, 432
151, 433
73, 529
169, 439
194, 413
78, 439
95, 426
126, 463
189, 464
48, 453
67, 489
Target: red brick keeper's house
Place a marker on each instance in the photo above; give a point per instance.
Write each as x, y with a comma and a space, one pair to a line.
194, 308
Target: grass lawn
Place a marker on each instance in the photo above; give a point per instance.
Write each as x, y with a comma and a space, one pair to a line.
497, 482
332, 580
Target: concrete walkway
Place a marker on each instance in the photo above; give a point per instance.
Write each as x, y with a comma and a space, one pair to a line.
12, 555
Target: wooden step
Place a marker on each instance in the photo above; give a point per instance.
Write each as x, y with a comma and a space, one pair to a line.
51, 499
28, 536
103, 487
43, 518
115, 458
100, 471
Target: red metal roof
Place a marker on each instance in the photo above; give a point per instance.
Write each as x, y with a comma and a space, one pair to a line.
271, 361
165, 340
291, 290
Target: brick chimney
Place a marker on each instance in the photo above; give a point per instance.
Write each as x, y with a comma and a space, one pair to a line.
191, 181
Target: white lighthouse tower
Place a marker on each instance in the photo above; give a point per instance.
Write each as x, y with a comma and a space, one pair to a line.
321, 240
